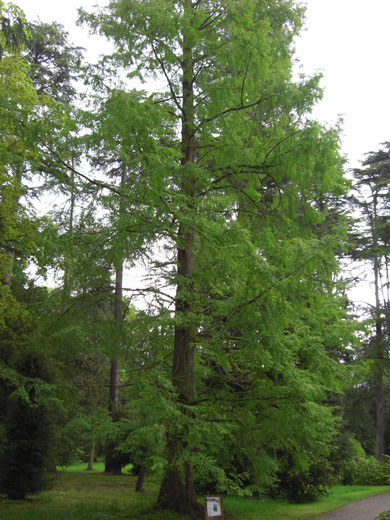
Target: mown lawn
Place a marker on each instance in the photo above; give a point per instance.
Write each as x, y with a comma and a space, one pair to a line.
81, 495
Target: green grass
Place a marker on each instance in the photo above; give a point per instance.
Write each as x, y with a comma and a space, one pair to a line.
98, 467
251, 509
91, 495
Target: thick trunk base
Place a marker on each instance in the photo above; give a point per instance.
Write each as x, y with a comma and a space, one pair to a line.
179, 496
113, 465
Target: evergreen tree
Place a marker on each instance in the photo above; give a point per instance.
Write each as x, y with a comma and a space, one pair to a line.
53, 61
370, 245
26, 459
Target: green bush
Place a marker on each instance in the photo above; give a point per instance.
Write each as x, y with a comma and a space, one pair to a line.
25, 460
24, 463
383, 516
306, 485
367, 471
345, 449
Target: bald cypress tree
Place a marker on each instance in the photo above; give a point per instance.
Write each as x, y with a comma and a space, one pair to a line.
238, 194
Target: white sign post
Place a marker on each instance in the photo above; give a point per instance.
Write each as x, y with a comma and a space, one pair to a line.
213, 507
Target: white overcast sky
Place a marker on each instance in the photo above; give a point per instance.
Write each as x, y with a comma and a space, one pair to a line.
347, 40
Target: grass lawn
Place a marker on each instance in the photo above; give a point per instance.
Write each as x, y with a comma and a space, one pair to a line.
84, 495
251, 509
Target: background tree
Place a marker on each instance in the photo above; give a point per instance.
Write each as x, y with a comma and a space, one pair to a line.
370, 245
29, 400
54, 61
117, 146
26, 459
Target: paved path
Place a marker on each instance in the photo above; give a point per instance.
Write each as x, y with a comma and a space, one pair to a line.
366, 509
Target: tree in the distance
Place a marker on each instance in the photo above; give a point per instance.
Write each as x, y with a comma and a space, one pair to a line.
53, 60
371, 245
27, 119
117, 145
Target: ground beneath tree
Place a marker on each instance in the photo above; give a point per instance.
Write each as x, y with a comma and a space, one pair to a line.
366, 509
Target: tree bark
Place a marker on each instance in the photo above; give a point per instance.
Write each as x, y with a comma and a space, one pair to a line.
177, 491
139, 486
112, 464
379, 353
68, 255
379, 388
91, 456
380, 422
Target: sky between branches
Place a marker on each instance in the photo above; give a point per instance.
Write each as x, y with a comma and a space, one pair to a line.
347, 40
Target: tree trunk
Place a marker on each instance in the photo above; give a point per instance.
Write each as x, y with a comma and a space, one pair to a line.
68, 255
139, 486
177, 491
379, 384
91, 456
112, 464
379, 353
9, 266
380, 419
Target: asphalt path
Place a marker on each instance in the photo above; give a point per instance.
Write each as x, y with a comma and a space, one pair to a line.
366, 509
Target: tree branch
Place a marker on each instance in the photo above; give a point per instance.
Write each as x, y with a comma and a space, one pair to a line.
161, 63
229, 110
101, 184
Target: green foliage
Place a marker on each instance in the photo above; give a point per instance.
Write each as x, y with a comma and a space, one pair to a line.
223, 169
383, 516
367, 471
345, 449
53, 61
359, 406
25, 460
26, 457
13, 32
230, 171
305, 485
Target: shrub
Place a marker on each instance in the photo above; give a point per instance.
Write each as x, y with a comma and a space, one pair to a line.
345, 449
367, 471
383, 516
25, 459
306, 485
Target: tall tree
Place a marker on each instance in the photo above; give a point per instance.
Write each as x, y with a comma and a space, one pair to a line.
28, 121
19, 104
53, 60
245, 163
117, 145
371, 244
